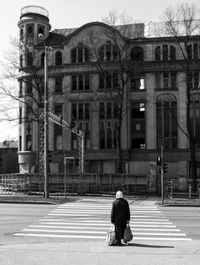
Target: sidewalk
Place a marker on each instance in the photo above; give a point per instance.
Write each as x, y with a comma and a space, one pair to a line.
35, 199
184, 202
61, 199
98, 253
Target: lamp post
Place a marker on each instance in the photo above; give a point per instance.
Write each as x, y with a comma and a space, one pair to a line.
46, 147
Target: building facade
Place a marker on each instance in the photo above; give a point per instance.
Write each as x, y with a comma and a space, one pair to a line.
154, 99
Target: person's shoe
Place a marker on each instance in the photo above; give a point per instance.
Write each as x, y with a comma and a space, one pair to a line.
125, 242
118, 243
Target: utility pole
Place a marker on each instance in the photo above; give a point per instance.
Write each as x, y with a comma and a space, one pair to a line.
162, 173
46, 134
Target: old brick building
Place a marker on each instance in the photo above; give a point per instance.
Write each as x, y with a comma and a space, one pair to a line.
155, 97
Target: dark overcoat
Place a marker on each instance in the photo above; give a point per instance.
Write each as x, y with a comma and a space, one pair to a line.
120, 212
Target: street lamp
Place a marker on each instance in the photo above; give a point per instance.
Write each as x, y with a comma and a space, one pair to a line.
45, 158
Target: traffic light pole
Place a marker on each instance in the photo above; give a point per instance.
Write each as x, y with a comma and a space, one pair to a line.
46, 164
162, 174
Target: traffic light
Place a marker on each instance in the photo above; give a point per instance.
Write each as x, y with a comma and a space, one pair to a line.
165, 168
50, 157
158, 161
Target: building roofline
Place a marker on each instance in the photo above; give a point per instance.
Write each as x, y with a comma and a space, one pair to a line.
93, 24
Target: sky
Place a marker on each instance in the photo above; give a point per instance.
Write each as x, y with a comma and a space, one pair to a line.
69, 14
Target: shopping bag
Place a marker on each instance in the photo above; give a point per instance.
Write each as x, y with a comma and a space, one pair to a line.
110, 239
128, 236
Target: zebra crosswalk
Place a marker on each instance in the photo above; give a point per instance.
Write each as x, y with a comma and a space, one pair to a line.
86, 220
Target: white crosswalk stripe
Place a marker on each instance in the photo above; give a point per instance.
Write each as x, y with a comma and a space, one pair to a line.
88, 221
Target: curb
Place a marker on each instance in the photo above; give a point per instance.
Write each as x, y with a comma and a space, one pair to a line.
28, 202
180, 205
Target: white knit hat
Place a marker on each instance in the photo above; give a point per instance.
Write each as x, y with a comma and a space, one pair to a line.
119, 195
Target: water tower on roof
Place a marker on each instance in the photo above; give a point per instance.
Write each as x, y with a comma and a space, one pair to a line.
33, 20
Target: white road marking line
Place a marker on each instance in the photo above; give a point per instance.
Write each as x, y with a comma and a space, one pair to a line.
98, 232
104, 205
162, 238
100, 237
51, 219
69, 227
103, 228
60, 236
132, 222
147, 223
108, 224
63, 231
75, 214
94, 211
75, 223
158, 234
143, 225
154, 222
135, 216
156, 229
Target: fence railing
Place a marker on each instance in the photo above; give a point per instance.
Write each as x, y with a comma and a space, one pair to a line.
59, 184
172, 189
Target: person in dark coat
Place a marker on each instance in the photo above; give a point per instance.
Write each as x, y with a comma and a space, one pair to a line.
120, 216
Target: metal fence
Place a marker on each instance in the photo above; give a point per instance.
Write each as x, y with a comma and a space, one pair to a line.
60, 184
172, 189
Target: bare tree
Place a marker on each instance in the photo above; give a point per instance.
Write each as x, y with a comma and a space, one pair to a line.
23, 75
114, 65
183, 25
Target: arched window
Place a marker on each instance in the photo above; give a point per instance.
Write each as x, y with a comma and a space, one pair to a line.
80, 54
137, 54
166, 121
165, 53
42, 59
101, 53
108, 52
58, 58
172, 53
157, 54
193, 51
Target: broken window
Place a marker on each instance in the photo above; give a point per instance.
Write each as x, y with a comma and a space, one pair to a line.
137, 83
137, 54
80, 112
157, 54
138, 125
166, 121
58, 58
80, 82
165, 53
58, 84
109, 81
108, 115
108, 52
80, 54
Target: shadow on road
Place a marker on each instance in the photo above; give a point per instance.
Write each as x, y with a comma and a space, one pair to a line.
148, 246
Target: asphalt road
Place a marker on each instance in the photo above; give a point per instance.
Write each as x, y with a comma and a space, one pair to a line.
185, 218
16, 217
148, 220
